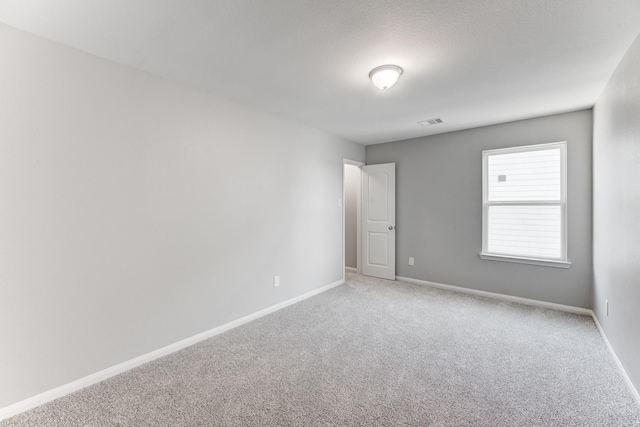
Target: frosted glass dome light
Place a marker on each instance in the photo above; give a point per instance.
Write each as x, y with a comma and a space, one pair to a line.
385, 76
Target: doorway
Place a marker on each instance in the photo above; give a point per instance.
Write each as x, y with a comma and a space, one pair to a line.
351, 249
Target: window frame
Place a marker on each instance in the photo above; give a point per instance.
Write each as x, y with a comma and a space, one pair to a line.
562, 261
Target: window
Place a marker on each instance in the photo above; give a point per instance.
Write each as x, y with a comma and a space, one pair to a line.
524, 204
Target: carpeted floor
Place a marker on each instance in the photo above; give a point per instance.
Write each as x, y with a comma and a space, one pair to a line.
371, 353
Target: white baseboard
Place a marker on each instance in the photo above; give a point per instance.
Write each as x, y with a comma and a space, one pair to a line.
634, 391
527, 301
351, 269
63, 390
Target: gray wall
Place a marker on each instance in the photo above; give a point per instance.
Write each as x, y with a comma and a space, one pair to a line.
351, 184
616, 211
439, 208
136, 213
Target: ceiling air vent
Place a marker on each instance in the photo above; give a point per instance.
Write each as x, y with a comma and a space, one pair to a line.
430, 122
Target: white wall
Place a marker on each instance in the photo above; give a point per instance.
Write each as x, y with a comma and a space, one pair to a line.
439, 208
351, 185
616, 211
136, 212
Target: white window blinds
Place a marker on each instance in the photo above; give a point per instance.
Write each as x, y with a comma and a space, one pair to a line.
532, 231
524, 176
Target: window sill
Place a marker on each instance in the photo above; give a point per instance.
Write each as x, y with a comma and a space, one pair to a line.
520, 260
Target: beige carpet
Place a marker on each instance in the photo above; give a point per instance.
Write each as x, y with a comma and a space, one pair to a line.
371, 353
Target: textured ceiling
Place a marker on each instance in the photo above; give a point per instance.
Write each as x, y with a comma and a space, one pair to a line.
470, 62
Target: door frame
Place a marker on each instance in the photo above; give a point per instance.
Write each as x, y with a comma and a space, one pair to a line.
358, 220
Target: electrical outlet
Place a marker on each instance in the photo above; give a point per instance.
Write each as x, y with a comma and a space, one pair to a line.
606, 306
276, 281
411, 260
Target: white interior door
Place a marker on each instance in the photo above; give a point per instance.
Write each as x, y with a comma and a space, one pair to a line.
379, 220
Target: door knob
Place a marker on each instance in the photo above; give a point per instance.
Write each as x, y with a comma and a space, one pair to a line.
391, 227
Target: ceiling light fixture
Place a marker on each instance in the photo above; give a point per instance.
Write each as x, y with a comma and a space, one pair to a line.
385, 76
